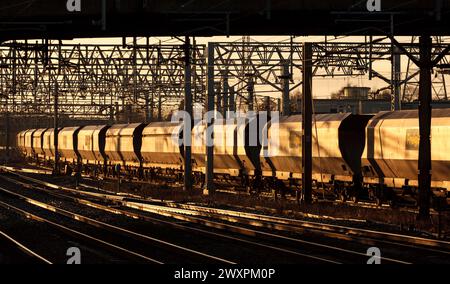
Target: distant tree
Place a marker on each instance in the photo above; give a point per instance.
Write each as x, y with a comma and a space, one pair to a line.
262, 104
384, 95
381, 94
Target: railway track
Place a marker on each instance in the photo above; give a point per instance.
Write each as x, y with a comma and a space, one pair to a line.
186, 228
272, 230
123, 233
235, 213
269, 196
12, 250
95, 241
280, 250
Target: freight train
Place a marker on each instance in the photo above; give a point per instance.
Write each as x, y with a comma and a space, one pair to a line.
354, 156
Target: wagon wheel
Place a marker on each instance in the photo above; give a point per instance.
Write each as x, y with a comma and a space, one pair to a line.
298, 196
343, 196
250, 187
341, 192
275, 194
251, 190
379, 201
202, 180
354, 195
393, 201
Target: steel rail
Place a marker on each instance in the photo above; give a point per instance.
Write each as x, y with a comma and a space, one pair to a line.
156, 220
258, 217
317, 225
360, 204
23, 248
164, 211
248, 231
284, 224
74, 232
110, 227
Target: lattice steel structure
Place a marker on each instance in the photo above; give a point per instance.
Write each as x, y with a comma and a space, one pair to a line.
256, 67
98, 81
93, 79
254, 70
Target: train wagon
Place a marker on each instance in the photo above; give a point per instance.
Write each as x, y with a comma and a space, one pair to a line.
29, 152
234, 156
123, 146
159, 149
91, 142
20, 138
390, 158
338, 142
68, 144
48, 143
38, 142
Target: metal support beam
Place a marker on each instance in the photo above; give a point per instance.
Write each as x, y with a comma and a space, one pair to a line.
7, 130
231, 100
14, 74
285, 77
307, 124
111, 115
135, 72
219, 101
55, 130
159, 108
109, 71
396, 79
35, 77
225, 94
129, 111
210, 122
251, 94
189, 111
445, 88
116, 119
267, 105
425, 96
151, 107
147, 109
